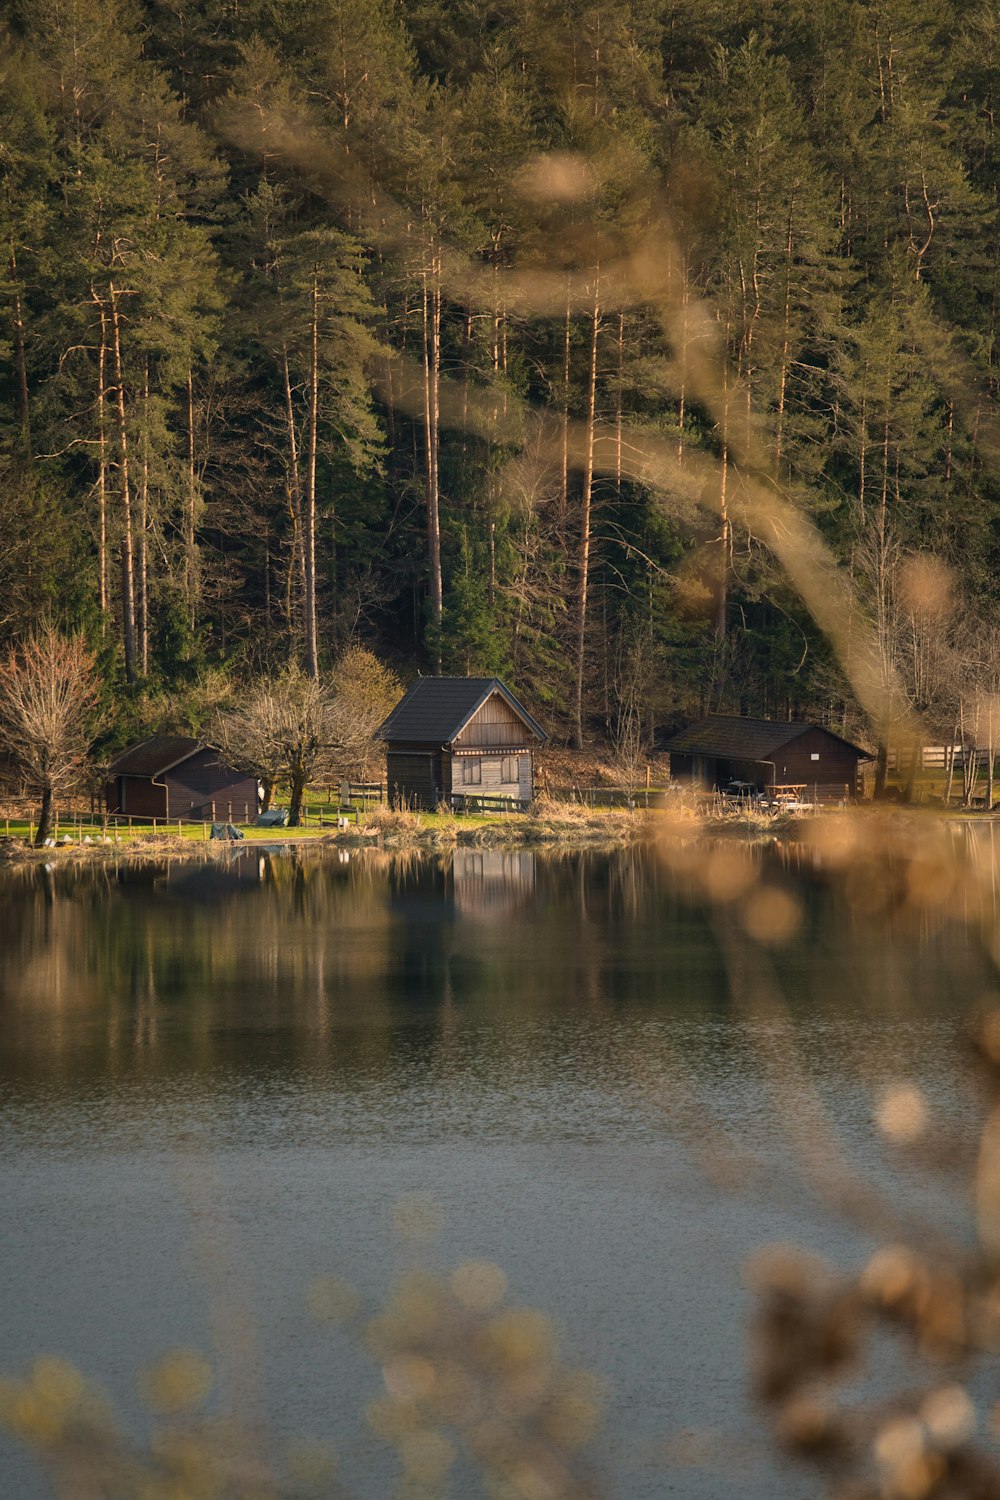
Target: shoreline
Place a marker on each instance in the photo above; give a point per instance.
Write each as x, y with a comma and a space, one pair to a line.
610, 829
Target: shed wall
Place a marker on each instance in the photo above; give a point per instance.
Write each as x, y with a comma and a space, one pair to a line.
491, 782
414, 777
138, 797
204, 778
494, 725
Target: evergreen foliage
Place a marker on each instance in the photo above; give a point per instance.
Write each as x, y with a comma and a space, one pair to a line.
313, 331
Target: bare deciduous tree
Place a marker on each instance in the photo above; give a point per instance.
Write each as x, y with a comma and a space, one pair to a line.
48, 690
296, 729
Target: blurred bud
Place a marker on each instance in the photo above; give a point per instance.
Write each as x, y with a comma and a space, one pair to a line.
899, 1442
902, 1113
926, 587
806, 1422
180, 1382
772, 916
426, 1456
556, 177
417, 1218
988, 1036
574, 1409
892, 1275
57, 1382
517, 1337
949, 1416
726, 874
478, 1285
409, 1377
789, 1270
389, 1419
331, 1299
834, 840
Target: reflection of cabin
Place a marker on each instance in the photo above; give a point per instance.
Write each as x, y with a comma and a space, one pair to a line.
492, 883
764, 753
173, 776
459, 736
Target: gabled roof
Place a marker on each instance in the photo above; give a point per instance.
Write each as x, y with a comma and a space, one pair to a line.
745, 739
435, 710
154, 756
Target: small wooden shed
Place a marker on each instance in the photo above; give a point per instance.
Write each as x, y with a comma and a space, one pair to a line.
766, 753
452, 738
174, 776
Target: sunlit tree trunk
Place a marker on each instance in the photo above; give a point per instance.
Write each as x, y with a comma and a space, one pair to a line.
142, 600
432, 416
191, 515
583, 552
102, 468
20, 360
309, 537
127, 549
297, 559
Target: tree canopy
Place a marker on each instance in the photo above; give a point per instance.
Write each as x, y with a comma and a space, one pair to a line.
464, 333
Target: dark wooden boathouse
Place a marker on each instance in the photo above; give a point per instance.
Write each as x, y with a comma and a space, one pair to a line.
452, 739
174, 776
765, 753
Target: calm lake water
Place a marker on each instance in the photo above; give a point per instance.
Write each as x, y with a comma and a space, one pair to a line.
219, 1080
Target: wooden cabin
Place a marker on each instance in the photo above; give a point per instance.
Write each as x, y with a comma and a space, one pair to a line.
452, 739
764, 754
174, 776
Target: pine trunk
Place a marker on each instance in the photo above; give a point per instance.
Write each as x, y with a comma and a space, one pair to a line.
102, 471
191, 516
20, 362
583, 553
432, 398
309, 537
127, 549
142, 601
297, 562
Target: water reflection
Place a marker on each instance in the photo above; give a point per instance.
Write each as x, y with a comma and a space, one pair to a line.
574, 1052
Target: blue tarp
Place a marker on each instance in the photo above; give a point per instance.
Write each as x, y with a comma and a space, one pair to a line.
275, 817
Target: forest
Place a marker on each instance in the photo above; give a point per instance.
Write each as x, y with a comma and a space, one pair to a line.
473, 332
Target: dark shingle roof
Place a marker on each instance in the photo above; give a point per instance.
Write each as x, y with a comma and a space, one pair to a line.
435, 710
154, 756
743, 739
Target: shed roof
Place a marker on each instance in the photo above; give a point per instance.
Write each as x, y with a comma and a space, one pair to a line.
435, 710
733, 738
154, 756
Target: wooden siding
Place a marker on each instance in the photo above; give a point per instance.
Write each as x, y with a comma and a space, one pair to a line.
414, 777
792, 764
138, 797
836, 761
204, 779
494, 725
186, 791
491, 782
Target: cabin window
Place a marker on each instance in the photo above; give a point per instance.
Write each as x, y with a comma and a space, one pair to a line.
815, 755
508, 770
472, 771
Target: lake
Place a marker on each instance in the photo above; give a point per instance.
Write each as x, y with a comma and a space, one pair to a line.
223, 1079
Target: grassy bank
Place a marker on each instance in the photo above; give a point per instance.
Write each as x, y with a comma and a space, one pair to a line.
549, 823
